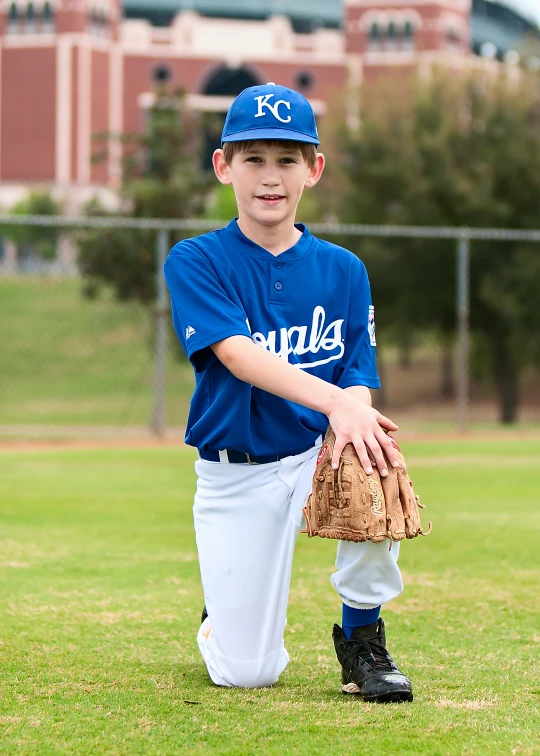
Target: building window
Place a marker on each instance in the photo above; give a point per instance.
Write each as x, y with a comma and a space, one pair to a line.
393, 36
161, 74
98, 22
30, 19
304, 80
48, 20
452, 39
408, 36
13, 19
374, 41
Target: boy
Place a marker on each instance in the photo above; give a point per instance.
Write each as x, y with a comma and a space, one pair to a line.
279, 328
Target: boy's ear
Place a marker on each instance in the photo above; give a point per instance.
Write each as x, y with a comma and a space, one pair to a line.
315, 172
221, 167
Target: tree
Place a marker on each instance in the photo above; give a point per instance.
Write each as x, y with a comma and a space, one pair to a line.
161, 179
41, 240
461, 152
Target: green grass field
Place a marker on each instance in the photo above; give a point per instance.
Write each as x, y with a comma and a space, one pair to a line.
100, 602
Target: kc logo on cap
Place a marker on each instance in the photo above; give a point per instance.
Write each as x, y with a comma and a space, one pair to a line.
270, 111
263, 101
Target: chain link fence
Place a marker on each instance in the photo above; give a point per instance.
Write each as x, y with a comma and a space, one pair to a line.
72, 365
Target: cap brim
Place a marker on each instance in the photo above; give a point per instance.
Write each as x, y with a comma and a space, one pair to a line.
278, 134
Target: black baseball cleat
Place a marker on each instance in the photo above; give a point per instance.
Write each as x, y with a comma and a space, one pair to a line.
368, 669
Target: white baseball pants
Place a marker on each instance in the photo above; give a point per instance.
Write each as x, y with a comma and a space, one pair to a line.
247, 520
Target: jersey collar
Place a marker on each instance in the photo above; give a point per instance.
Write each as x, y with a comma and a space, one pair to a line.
232, 234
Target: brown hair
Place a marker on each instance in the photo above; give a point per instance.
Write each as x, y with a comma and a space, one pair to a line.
309, 151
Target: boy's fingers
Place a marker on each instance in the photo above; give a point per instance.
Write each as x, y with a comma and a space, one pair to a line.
360, 450
385, 422
363, 456
388, 448
378, 455
338, 448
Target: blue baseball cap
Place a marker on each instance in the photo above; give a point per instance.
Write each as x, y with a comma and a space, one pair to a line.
270, 111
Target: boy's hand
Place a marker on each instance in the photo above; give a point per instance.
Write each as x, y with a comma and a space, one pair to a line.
361, 425
352, 419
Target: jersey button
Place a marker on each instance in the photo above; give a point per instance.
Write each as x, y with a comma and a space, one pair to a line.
278, 264
278, 286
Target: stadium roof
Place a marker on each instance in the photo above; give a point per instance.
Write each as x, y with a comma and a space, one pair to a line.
304, 14
492, 21
528, 8
503, 27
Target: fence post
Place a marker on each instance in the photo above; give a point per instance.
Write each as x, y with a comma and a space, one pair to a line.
463, 307
160, 354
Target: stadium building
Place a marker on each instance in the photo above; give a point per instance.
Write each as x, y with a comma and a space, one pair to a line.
70, 69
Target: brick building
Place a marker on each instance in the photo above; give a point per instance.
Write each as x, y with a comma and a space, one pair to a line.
70, 69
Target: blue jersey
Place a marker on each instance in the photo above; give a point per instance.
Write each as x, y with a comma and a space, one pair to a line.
311, 305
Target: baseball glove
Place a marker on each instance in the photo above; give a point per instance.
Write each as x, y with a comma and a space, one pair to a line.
349, 505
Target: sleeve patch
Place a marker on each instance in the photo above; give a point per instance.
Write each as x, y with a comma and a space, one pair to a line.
371, 326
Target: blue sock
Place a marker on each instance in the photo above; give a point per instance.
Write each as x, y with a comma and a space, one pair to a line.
352, 618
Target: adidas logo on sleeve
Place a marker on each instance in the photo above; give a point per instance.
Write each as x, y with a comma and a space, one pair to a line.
189, 332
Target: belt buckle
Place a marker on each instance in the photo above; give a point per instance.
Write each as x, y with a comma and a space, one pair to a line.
249, 460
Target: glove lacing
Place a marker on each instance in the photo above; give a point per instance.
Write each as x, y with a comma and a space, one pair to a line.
341, 500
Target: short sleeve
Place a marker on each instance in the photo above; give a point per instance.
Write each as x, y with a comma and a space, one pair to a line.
359, 366
205, 306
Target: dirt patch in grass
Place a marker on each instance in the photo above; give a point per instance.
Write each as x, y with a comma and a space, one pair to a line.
48, 444
477, 703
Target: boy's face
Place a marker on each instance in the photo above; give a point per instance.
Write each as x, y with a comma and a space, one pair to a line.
268, 180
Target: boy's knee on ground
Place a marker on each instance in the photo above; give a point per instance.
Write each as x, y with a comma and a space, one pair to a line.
241, 673
255, 678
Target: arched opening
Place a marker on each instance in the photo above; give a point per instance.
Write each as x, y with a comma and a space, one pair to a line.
224, 82
391, 36
48, 23
304, 81
161, 74
229, 81
374, 40
30, 18
408, 36
13, 19
453, 39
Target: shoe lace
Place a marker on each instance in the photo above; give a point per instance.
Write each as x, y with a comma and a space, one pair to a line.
372, 653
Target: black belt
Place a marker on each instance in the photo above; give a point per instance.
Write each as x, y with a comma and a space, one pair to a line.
238, 457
